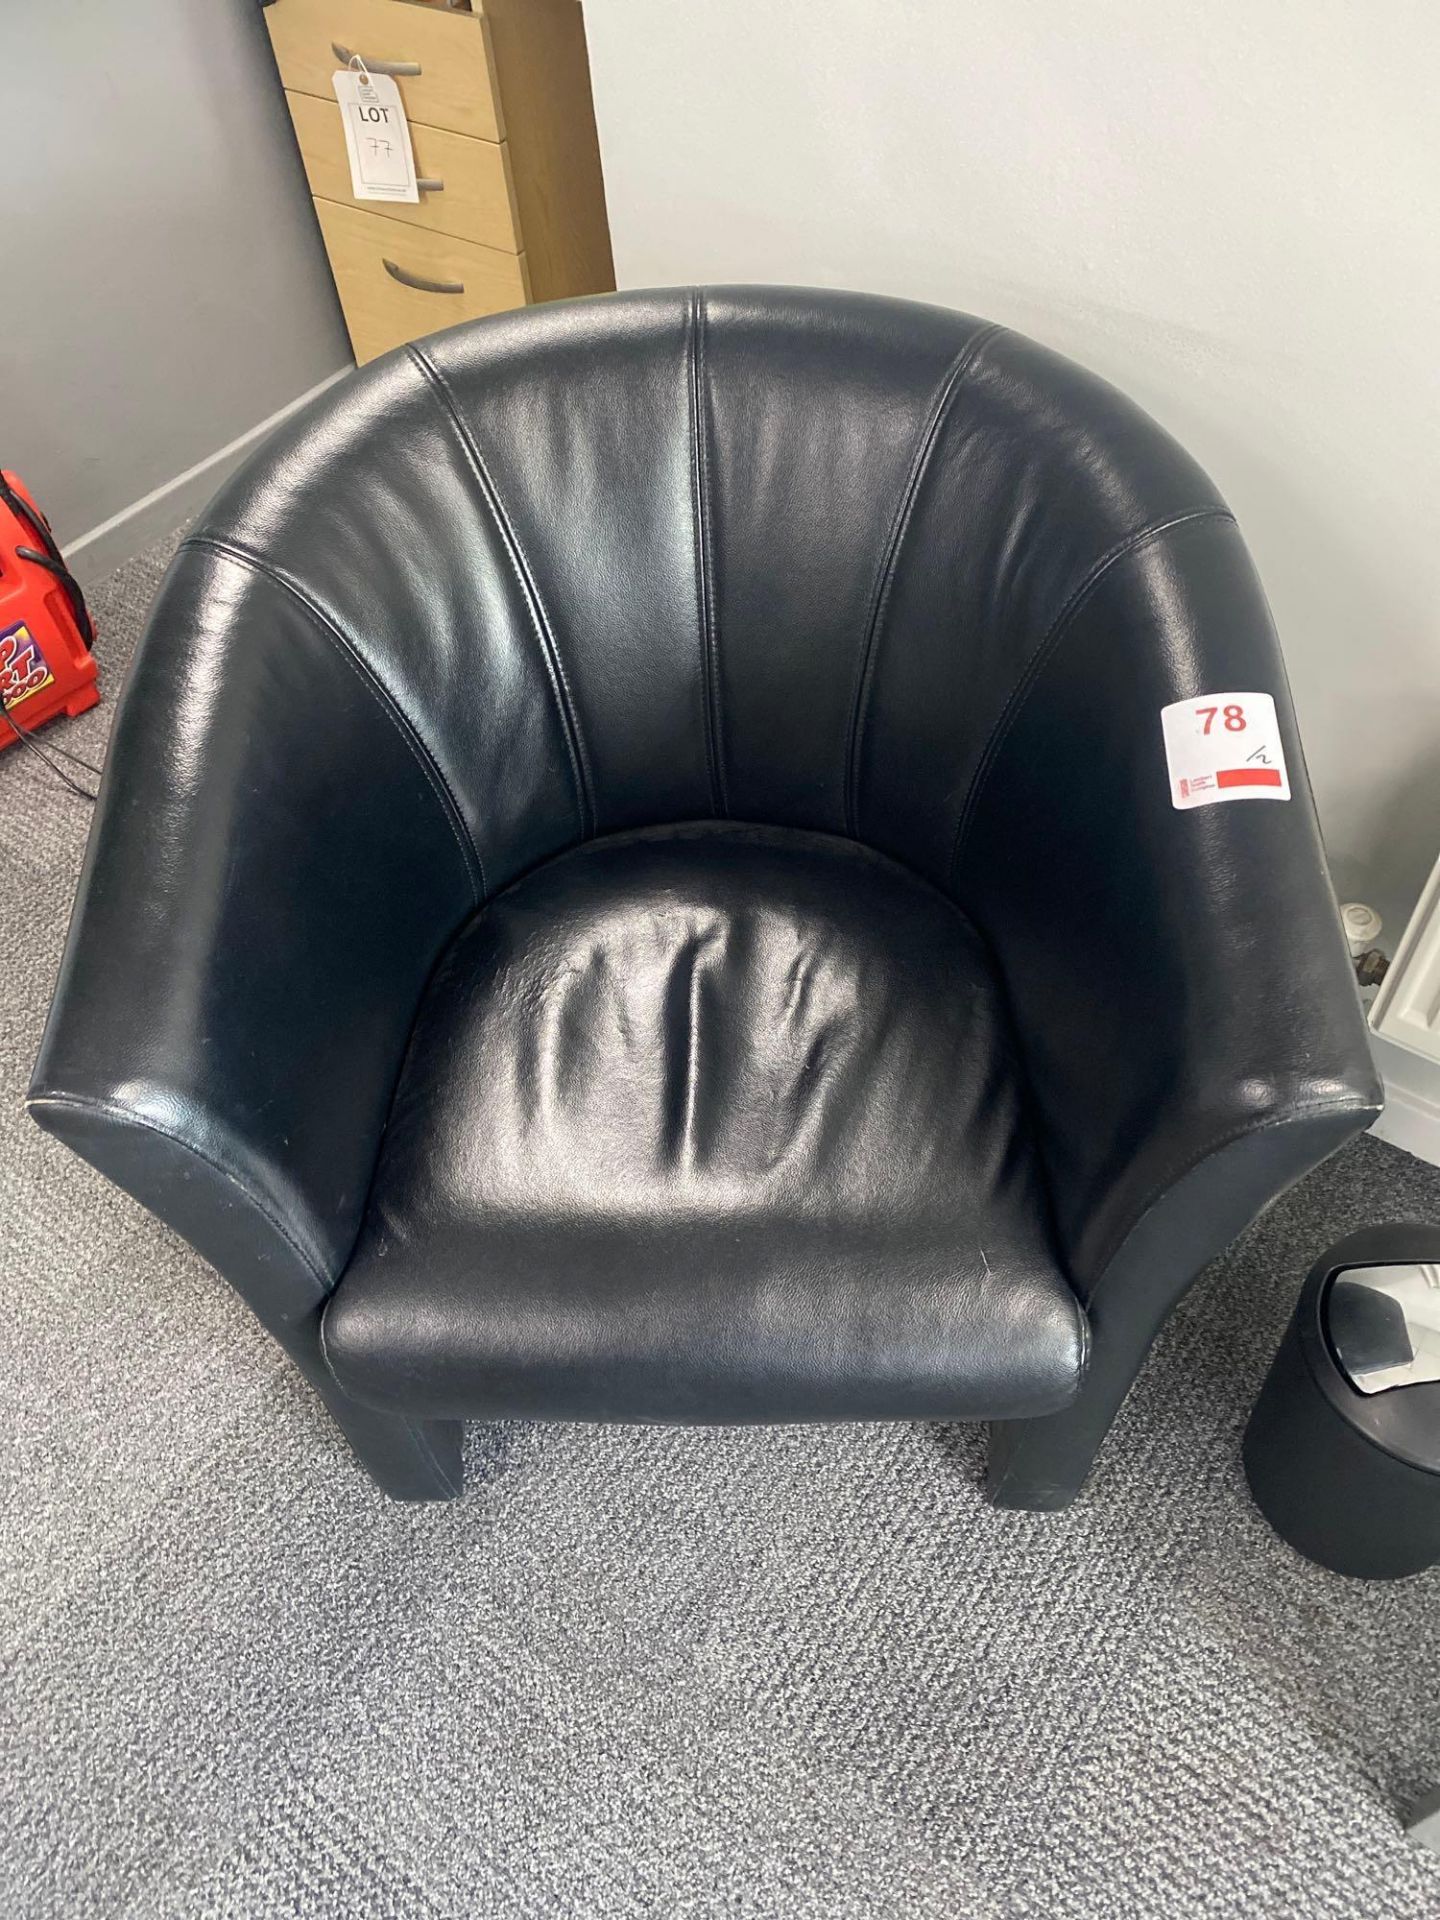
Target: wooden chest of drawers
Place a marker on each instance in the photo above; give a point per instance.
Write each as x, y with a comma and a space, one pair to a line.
512, 206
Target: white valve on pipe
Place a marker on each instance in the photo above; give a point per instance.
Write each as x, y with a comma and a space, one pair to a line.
1362, 927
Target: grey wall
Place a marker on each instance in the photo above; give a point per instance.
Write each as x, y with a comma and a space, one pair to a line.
1225, 206
165, 287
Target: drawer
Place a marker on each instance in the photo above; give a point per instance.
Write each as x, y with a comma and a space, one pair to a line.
444, 72
376, 260
473, 200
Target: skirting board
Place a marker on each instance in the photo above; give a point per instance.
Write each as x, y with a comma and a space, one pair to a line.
1412, 1100
96, 554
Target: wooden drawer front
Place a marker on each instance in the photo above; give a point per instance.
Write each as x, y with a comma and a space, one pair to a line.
366, 252
473, 203
454, 87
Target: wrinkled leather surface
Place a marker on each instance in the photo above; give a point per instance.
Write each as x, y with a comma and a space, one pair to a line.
710, 1122
818, 561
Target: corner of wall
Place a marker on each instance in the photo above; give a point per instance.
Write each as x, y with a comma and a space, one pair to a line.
96, 554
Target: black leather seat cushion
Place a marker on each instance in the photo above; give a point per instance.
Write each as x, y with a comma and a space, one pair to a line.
710, 1124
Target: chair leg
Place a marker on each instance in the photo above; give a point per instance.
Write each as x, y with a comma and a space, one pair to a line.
408, 1459
1422, 1822
1040, 1465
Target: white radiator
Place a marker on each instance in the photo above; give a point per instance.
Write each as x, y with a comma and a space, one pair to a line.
1407, 1007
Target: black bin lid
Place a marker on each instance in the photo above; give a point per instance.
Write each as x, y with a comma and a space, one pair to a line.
1374, 1340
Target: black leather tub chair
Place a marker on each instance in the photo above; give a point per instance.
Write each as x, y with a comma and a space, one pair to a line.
637, 880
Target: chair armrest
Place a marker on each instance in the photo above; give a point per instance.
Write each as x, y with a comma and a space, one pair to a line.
1183, 998
271, 875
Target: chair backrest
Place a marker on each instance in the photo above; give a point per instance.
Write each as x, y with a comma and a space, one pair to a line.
764, 554
803, 559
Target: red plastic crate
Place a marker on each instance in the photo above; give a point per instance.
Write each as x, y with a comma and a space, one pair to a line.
45, 665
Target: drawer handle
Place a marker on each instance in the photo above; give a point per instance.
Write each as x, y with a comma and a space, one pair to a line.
421, 286
430, 186
402, 69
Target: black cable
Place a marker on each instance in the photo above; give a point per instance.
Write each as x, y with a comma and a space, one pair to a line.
39, 752
55, 562
75, 759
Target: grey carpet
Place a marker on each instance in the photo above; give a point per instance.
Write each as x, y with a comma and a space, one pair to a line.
791, 1673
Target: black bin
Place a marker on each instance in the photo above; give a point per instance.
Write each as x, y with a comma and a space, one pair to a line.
1343, 1449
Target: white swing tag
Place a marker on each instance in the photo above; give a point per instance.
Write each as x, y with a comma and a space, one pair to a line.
377, 136
1224, 746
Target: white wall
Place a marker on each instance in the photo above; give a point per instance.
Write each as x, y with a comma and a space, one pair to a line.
1228, 207
165, 287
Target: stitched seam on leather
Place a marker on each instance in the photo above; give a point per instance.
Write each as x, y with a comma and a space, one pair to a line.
1087, 1342
1020, 692
1309, 1110
530, 592
885, 573
707, 527
398, 718
704, 568
112, 1109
